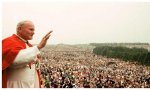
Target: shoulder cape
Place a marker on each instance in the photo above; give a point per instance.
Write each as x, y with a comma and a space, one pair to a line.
10, 48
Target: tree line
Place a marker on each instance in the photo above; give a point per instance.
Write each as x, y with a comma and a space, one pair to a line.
139, 55
118, 44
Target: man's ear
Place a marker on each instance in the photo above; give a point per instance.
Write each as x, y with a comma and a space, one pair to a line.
19, 29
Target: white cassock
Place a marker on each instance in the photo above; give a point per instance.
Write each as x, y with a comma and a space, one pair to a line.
19, 73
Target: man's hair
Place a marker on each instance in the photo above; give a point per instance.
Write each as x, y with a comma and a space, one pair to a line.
20, 24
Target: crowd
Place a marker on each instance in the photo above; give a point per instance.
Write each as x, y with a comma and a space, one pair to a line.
70, 66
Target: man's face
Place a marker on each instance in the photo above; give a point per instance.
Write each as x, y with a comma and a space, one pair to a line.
27, 31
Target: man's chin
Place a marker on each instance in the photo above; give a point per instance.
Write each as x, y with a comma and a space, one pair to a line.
30, 38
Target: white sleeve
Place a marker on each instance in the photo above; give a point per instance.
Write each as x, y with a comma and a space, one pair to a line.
25, 56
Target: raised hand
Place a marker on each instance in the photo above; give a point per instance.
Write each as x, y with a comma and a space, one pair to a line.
44, 40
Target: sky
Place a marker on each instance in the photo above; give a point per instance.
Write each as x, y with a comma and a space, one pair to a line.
81, 22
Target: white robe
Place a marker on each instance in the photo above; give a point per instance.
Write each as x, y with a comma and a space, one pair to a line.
19, 73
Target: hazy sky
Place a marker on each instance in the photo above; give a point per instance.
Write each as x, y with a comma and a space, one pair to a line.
81, 22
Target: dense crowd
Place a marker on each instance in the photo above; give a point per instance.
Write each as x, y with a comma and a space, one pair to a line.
69, 66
